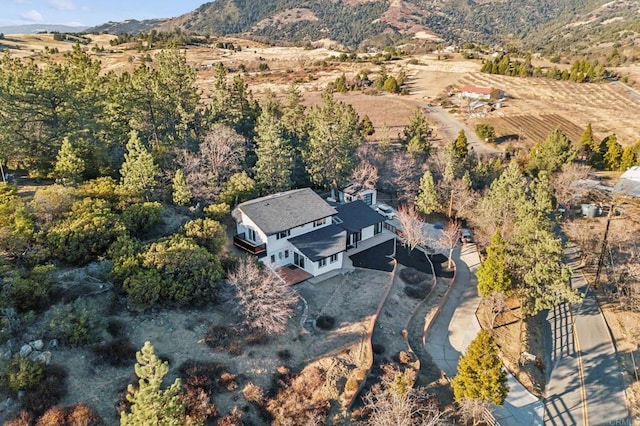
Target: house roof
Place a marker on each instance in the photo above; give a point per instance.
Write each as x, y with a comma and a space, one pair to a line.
477, 89
357, 215
285, 210
629, 182
353, 189
321, 243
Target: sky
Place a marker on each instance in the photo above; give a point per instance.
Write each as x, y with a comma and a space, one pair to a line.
90, 12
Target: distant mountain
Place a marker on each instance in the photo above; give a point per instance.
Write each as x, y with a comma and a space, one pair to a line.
130, 26
533, 24
37, 28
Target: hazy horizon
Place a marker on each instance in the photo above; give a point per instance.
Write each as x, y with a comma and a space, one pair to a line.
89, 13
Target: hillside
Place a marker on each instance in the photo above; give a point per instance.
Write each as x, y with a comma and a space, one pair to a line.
568, 26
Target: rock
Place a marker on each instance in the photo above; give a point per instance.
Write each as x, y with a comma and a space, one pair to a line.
37, 344
43, 357
25, 350
6, 355
53, 343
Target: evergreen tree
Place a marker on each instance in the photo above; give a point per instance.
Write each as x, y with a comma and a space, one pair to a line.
334, 136
69, 165
492, 274
587, 142
427, 198
138, 172
418, 133
613, 155
629, 157
150, 405
480, 374
274, 167
461, 146
181, 193
551, 154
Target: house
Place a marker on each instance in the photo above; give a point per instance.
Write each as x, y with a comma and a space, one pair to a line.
297, 229
479, 93
356, 191
629, 182
359, 220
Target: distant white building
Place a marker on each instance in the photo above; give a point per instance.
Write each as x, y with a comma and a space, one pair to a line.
480, 93
629, 182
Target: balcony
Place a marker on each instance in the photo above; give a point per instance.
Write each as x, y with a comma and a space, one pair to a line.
240, 241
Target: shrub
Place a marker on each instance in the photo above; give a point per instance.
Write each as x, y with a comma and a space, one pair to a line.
325, 322
29, 292
218, 211
486, 132
191, 274
140, 218
22, 373
208, 233
143, 288
253, 393
284, 354
50, 203
76, 323
105, 188
127, 261
47, 392
74, 415
86, 232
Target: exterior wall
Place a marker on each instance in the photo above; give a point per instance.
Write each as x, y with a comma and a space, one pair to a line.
346, 198
367, 232
275, 245
246, 224
314, 269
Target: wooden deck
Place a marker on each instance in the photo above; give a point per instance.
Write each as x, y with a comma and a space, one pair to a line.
291, 274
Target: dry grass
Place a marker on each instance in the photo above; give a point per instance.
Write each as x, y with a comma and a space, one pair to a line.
514, 336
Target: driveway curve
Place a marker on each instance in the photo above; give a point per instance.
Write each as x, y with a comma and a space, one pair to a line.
456, 326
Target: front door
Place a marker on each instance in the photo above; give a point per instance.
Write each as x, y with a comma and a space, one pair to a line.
298, 260
354, 238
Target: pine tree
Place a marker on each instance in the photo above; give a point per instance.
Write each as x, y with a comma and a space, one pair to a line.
480, 374
427, 198
69, 165
629, 157
461, 146
274, 167
138, 172
613, 155
587, 142
181, 193
418, 133
492, 274
150, 405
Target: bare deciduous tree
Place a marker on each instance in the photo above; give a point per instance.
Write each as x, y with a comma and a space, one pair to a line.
402, 172
365, 174
219, 156
449, 239
473, 410
563, 182
497, 304
394, 401
411, 225
265, 301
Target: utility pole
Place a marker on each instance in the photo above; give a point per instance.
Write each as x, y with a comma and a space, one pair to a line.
603, 249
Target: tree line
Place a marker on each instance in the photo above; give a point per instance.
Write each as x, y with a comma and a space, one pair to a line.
581, 70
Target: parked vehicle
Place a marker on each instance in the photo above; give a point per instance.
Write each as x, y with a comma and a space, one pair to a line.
386, 211
466, 236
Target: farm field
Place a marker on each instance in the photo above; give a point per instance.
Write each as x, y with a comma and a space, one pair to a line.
607, 107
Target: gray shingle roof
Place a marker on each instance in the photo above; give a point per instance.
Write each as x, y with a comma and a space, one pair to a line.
285, 210
357, 215
321, 243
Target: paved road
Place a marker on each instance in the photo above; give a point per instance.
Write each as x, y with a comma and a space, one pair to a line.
583, 353
456, 326
633, 93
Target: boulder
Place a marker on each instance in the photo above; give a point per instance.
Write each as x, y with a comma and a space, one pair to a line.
25, 350
37, 344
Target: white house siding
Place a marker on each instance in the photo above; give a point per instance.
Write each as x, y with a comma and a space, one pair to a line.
277, 247
245, 225
314, 269
368, 232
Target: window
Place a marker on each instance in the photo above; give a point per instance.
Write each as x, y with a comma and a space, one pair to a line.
251, 234
336, 220
286, 254
280, 255
319, 222
273, 258
377, 229
283, 234
333, 258
322, 262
